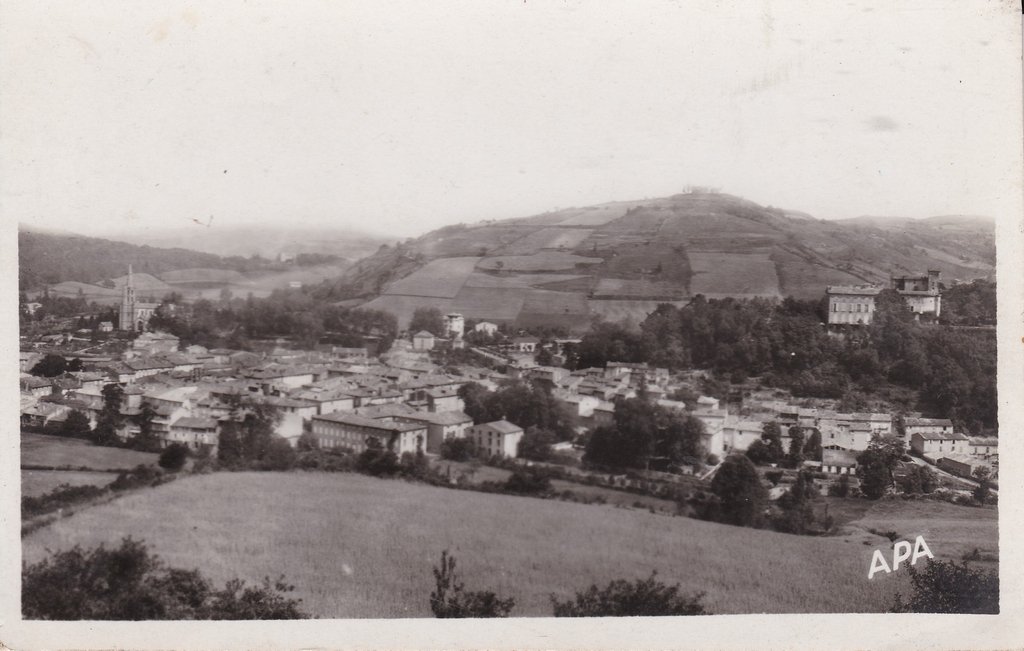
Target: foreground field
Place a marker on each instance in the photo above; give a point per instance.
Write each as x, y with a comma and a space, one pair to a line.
361, 547
40, 450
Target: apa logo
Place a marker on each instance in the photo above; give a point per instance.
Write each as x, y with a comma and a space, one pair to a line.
901, 551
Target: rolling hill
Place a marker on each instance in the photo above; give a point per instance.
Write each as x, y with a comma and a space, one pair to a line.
620, 259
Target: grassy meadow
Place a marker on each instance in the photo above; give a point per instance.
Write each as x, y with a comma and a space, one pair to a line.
356, 546
41, 450
39, 482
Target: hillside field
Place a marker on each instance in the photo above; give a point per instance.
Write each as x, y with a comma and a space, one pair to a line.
43, 451
356, 546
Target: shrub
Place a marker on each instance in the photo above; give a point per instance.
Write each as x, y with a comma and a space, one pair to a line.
774, 476
138, 477
379, 463
457, 449
173, 457
451, 600
840, 488
945, 587
647, 597
129, 583
61, 497
279, 455
529, 481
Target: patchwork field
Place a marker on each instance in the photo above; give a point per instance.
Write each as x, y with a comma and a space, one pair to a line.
592, 215
361, 547
491, 303
616, 311
441, 278
717, 274
404, 306
545, 238
41, 450
543, 261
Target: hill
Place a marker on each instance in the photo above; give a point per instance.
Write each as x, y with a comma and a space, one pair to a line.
47, 258
355, 546
265, 240
621, 258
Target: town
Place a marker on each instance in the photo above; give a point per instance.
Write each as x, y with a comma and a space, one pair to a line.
407, 400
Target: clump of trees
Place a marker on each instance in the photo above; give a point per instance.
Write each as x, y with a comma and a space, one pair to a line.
948, 587
741, 497
643, 434
877, 464
248, 439
527, 404
130, 583
173, 457
952, 372
641, 598
53, 364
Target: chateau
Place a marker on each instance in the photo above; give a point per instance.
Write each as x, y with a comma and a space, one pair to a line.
855, 304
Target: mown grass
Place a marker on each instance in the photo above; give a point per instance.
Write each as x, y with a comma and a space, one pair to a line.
356, 546
42, 451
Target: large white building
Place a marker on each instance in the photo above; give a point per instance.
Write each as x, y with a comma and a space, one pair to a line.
851, 304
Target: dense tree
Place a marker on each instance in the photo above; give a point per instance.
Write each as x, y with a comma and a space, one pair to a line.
642, 432
946, 587
876, 465
771, 434
51, 365
536, 444
812, 449
982, 490
173, 457
796, 446
796, 504
130, 583
146, 440
75, 425
642, 598
427, 318
741, 494
110, 420
457, 449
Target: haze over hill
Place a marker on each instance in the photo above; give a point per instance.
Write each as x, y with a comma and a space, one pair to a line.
620, 259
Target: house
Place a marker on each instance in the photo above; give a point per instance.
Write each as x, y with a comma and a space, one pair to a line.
737, 435
932, 445
961, 465
155, 343
552, 375
441, 426
927, 426
982, 446
851, 304
423, 340
921, 292
603, 413
106, 326
486, 327
525, 344
499, 438
838, 462
293, 414
193, 432
27, 359
326, 400
441, 399
454, 325
360, 433
36, 386
290, 377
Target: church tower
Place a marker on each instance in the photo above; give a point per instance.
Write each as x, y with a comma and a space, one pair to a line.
127, 320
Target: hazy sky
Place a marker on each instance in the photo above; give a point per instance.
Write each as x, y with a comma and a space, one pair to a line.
401, 117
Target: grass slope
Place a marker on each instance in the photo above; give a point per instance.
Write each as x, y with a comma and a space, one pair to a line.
40, 450
361, 547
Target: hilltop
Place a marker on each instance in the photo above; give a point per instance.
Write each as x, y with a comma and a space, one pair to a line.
620, 259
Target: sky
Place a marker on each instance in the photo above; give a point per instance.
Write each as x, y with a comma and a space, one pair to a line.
400, 117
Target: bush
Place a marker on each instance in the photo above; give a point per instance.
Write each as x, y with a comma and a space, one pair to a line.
528, 481
450, 600
457, 449
279, 455
620, 598
945, 587
840, 488
61, 497
379, 463
173, 457
129, 583
138, 477
774, 476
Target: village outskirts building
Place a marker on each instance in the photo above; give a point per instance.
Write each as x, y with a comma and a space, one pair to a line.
921, 292
360, 433
499, 438
851, 304
423, 340
935, 446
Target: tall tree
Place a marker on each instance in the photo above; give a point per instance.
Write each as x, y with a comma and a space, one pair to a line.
110, 420
146, 440
741, 494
